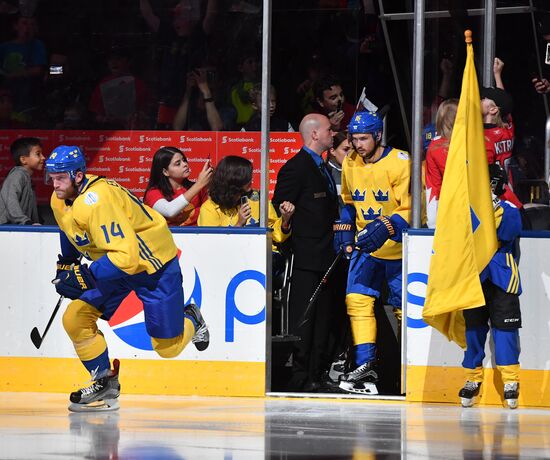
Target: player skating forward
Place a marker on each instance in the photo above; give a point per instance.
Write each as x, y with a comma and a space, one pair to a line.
131, 249
375, 192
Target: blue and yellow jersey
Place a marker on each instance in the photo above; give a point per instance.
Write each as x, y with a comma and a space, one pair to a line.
379, 189
107, 220
211, 215
503, 268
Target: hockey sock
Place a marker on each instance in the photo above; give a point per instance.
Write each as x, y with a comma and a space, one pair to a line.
170, 348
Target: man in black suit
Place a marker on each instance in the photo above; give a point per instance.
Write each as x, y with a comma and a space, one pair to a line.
305, 181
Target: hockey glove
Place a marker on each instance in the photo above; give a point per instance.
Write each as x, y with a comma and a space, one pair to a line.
72, 283
64, 263
375, 234
344, 236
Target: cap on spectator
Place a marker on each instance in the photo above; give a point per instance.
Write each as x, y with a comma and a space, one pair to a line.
500, 97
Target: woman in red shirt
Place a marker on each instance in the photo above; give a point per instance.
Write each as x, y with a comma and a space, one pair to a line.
171, 193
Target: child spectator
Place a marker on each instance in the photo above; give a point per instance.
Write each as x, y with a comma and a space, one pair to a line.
120, 100
22, 63
436, 156
8, 118
17, 197
240, 91
171, 193
183, 42
275, 123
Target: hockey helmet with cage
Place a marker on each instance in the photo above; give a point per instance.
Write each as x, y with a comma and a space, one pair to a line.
364, 122
66, 158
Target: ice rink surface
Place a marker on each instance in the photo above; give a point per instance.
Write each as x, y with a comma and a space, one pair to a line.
38, 426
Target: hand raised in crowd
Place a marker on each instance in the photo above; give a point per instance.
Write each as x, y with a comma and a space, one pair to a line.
498, 65
205, 176
446, 66
244, 214
286, 209
542, 86
202, 81
191, 81
336, 118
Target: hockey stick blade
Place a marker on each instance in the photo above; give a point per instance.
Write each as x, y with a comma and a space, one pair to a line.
36, 338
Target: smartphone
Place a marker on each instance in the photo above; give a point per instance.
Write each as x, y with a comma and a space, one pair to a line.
56, 70
244, 200
339, 106
547, 58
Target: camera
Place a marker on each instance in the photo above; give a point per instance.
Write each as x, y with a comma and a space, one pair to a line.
56, 70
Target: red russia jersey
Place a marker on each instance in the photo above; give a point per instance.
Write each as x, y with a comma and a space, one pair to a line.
499, 143
187, 216
436, 157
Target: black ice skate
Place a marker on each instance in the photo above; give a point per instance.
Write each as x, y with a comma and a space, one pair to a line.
201, 339
101, 395
361, 380
469, 393
511, 394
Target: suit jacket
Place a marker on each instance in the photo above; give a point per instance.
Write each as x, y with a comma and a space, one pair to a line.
301, 182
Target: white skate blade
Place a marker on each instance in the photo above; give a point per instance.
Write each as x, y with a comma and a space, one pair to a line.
363, 388
512, 403
97, 406
467, 402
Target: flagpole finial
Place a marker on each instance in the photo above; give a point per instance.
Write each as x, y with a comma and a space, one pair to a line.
468, 36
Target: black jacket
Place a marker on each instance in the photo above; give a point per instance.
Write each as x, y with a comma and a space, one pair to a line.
301, 182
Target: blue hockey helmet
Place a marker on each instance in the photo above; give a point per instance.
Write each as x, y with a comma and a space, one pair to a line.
66, 158
365, 123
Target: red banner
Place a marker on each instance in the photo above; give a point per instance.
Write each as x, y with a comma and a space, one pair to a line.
126, 156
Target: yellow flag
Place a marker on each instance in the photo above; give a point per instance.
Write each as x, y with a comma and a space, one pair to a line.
465, 235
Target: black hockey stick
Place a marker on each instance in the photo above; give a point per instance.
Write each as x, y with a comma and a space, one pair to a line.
36, 338
323, 281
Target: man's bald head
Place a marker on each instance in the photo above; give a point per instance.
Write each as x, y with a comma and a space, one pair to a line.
316, 133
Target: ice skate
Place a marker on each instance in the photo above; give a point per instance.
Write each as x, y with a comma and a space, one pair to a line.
201, 339
468, 393
362, 380
511, 394
101, 395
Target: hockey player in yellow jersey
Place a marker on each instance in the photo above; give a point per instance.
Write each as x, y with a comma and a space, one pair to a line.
131, 249
377, 206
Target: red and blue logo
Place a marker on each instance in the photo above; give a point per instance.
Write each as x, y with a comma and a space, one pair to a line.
135, 334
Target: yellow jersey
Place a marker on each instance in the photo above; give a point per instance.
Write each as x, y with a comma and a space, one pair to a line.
378, 189
106, 219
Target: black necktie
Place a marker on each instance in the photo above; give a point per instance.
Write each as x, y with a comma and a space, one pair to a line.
330, 179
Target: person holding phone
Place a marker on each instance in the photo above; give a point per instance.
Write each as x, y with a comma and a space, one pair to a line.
233, 202
171, 192
331, 102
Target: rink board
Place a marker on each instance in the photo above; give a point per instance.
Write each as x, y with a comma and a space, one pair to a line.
224, 274
433, 370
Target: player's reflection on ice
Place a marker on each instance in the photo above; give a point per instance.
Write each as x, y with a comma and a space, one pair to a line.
101, 433
100, 430
497, 437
